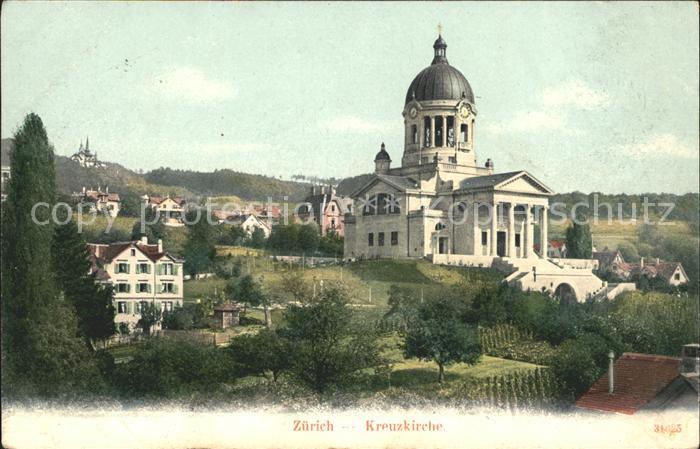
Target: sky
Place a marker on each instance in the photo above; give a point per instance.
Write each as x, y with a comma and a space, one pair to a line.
585, 96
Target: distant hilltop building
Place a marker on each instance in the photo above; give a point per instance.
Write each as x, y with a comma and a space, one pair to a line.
85, 158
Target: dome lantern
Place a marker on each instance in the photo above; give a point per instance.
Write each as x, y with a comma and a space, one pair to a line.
382, 161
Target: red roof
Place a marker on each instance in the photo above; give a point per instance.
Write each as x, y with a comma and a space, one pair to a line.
638, 379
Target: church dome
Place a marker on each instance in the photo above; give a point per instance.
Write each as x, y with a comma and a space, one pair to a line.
440, 81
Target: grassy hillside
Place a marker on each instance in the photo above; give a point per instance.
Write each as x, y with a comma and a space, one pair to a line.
358, 277
229, 182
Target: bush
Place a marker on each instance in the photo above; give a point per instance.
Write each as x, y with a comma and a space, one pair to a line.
164, 368
579, 362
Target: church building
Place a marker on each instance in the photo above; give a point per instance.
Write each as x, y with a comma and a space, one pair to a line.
441, 204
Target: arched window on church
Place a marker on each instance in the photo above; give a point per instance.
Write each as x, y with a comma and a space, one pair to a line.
463, 132
426, 134
450, 131
438, 131
414, 133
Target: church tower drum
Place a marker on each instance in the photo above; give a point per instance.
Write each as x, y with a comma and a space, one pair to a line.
439, 115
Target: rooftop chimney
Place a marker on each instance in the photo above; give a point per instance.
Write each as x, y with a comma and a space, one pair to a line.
611, 372
160, 245
144, 239
641, 262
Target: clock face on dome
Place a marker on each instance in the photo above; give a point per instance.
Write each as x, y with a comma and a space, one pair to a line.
413, 112
464, 112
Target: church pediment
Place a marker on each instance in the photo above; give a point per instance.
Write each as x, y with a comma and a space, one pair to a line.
386, 184
523, 183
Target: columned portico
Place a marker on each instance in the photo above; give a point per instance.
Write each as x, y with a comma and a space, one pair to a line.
511, 230
544, 242
493, 248
529, 231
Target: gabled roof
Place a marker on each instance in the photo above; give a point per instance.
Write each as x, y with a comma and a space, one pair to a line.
638, 378
500, 181
401, 183
606, 258
104, 254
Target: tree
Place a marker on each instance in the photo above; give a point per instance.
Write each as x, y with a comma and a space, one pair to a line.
579, 243
130, 205
575, 365
257, 238
150, 316
199, 248
246, 290
41, 350
327, 345
308, 238
92, 302
439, 334
260, 354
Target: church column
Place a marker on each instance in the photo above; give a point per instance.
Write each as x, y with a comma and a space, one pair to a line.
444, 131
544, 242
494, 229
528, 231
477, 233
511, 229
432, 131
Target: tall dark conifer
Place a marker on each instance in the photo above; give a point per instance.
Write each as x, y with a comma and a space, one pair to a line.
27, 279
93, 303
41, 351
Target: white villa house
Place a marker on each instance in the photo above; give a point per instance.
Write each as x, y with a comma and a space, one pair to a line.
140, 273
441, 205
170, 210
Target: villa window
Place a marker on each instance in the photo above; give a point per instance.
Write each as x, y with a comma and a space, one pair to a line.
168, 287
370, 239
143, 287
168, 269
121, 307
484, 237
122, 287
394, 238
121, 267
677, 276
439, 227
144, 268
133, 252
463, 132
167, 306
414, 133
517, 240
380, 239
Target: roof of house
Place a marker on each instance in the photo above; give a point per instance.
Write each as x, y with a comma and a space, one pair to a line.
227, 308
101, 254
638, 378
606, 258
652, 268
